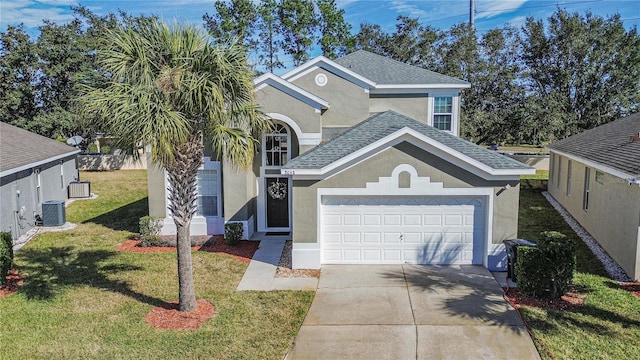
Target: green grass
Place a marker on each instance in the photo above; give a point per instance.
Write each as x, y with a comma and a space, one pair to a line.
524, 148
539, 175
607, 326
83, 299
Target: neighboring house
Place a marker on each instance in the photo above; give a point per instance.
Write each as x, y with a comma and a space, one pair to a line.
595, 175
33, 169
364, 165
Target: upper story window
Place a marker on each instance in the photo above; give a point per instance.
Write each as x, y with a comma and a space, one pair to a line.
442, 112
276, 146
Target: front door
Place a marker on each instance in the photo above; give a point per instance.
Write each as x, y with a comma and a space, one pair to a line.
277, 202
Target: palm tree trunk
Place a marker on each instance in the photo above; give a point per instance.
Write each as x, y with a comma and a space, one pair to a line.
182, 197
187, 292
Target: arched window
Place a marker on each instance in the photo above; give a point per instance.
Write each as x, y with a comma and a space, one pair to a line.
276, 146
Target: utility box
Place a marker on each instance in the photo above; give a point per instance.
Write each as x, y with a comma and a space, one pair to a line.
79, 189
512, 255
53, 213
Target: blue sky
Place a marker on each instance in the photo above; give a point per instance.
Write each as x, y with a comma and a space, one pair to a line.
437, 13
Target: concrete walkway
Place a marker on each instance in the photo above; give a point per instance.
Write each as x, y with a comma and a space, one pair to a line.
261, 272
410, 312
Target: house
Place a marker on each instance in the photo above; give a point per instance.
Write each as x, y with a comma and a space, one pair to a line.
33, 169
364, 165
595, 176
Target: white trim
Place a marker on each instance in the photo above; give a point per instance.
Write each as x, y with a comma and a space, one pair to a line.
37, 163
303, 138
418, 139
419, 186
595, 165
305, 255
331, 66
422, 86
288, 88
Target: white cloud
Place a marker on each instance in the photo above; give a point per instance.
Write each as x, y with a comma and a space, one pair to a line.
407, 8
486, 9
31, 13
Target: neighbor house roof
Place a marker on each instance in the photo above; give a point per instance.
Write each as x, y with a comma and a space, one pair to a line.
609, 145
386, 71
383, 128
21, 149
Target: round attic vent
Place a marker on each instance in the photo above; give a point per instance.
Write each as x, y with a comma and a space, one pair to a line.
321, 79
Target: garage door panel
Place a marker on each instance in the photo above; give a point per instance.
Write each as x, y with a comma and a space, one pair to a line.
372, 220
392, 220
436, 230
372, 238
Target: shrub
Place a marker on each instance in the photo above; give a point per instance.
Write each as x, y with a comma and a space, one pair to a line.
6, 255
232, 233
547, 269
149, 229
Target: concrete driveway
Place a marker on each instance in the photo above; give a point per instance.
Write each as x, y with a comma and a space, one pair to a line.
410, 312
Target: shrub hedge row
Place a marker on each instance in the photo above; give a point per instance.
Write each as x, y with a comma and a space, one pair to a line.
546, 270
6, 255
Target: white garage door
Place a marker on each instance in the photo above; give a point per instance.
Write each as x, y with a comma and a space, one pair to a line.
399, 230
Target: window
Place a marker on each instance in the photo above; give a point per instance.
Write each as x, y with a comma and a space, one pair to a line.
599, 177
61, 175
207, 183
559, 172
276, 146
442, 112
587, 184
569, 178
38, 186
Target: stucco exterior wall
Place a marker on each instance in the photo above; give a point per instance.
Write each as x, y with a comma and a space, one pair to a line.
505, 214
414, 106
613, 215
156, 187
349, 103
239, 193
272, 100
18, 193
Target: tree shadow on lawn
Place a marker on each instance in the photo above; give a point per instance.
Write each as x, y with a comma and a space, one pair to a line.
562, 318
51, 270
125, 218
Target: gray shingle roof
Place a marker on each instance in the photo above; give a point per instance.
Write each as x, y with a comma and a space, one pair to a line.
383, 70
609, 144
19, 147
386, 123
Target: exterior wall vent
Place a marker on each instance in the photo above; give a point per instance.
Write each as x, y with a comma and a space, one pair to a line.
79, 189
53, 213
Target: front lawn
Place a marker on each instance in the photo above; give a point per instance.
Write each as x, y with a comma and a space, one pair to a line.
84, 300
607, 326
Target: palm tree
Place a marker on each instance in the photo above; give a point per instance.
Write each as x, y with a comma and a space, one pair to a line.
170, 88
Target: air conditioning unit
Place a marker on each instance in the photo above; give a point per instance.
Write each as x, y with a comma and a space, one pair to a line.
53, 213
79, 189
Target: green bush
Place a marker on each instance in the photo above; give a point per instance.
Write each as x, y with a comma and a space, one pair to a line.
232, 233
149, 229
546, 270
6, 255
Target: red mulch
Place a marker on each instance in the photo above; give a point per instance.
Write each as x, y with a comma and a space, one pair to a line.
570, 300
632, 287
14, 281
243, 251
168, 316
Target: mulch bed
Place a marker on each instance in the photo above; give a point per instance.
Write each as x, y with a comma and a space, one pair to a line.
570, 300
168, 317
243, 251
14, 281
632, 287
